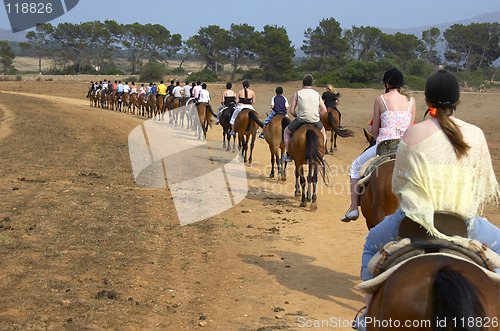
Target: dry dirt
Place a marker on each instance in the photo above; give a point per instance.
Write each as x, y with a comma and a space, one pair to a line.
83, 247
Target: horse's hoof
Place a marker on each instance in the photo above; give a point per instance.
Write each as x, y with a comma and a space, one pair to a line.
313, 206
297, 194
303, 204
271, 175
335, 149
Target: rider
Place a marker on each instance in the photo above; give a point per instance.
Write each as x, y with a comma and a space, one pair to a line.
279, 106
126, 88
133, 88
187, 90
442, 164
204, 95
244, 99
142, 90
228, 97
176, 93
331, 98
393, 113
310, 108
161, 90
104, 85
119, 89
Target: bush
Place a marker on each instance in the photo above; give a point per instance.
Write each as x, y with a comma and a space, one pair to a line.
177, 71
19, 78
39, 79
50, 79
132, 79
152, 71
418, 67
415, 83
204, 75
111, 72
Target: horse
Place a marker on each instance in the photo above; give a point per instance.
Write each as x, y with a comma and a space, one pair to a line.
102, 98
160, 104
273, 134
204, 114
173, 105
111, 100
225, 118
141, 104
125, 102
133, 102
245, 125
376, 198
441, 291
306, 147
182, 111
331, 122
151, 105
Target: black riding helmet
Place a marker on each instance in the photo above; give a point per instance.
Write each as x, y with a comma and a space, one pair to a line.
393, 77
442, 88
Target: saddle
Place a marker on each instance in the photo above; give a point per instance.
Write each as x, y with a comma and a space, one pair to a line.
417, 241
386, 152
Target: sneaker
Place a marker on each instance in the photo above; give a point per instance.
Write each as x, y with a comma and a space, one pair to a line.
232, 133
262, 136
286, 158
217, 122
350, 216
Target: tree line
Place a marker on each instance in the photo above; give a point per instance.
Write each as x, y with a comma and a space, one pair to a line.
352, 56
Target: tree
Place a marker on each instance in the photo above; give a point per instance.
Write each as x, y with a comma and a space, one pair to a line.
188, 48
364, 43
211, 43
7, 57
159, 42
325, 43
404, 47
133, 40
275, 53
474, 46
39, 42
430, 38
242, 43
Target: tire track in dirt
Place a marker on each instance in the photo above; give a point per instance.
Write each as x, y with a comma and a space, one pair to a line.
6, 122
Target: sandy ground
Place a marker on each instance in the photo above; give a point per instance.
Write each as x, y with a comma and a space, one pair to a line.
83, 247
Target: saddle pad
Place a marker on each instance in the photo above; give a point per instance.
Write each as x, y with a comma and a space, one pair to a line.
372, 164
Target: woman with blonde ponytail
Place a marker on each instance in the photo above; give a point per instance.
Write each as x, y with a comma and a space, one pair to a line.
442, 164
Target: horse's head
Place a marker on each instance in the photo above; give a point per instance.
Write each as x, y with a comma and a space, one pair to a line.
371, 140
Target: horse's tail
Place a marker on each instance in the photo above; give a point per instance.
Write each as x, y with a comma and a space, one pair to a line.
284, 123
312, 152
209, 108
455, 298
341, 132
252, 115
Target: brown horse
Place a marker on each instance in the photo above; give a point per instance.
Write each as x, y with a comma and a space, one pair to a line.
306, 147
331, 122
125, 104
173, 105
204, 114
133, 102
376, 198
443, 292
160, 104
246, 125
141, 105
151, 105
111, 100
273, 134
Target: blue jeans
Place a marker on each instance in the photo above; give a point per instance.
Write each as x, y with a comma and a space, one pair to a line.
387, 231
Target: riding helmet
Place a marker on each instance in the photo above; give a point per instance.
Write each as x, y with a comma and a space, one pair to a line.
442, 88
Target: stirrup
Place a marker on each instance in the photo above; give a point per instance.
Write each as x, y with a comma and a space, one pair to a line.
359, 321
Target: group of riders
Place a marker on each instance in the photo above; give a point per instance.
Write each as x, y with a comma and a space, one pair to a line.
184, 94
442, 163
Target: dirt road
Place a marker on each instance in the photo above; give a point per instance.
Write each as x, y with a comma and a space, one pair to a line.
82, 246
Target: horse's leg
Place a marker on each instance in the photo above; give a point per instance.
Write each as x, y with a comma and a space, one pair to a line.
252, 144
303, 201
297, 186
314, 178
309, 181
335, 142
245, 148
271, 175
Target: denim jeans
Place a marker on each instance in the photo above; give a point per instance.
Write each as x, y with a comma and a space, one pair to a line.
387, 231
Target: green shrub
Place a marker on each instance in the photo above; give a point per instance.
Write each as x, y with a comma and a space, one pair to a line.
204, 75
152, 71
111, 72
19, 78
39, 79
50, 79
415, 83
132, 79
177, 71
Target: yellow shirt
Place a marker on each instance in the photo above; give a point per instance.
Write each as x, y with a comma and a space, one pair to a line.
428, 177
162, 89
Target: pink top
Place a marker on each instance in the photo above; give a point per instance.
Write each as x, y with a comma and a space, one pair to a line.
196, 91
393, 123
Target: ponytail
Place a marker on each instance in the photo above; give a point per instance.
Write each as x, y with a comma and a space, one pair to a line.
450, 129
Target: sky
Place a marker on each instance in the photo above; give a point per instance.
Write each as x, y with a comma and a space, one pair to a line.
296, 16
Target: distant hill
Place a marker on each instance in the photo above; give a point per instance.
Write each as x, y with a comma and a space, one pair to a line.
484, 18
9, 36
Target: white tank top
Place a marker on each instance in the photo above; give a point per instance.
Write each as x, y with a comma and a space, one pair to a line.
308, 105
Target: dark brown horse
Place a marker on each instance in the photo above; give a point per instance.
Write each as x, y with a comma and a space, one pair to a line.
376, 198
225, 118
306, 147
160, 104
133, 102
204, 114
273, 134
437, 292
331, 122
245, 126
110, 98
151, 105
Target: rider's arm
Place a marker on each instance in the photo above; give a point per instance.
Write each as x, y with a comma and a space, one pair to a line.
293, 105
376, 117
253, 98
